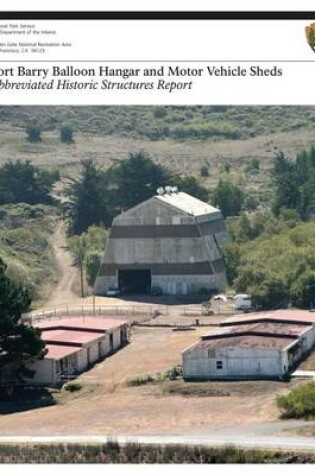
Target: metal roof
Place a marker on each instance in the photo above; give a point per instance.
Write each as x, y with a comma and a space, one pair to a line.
289, 315
267, 342
74, 337
267, 327
82, 323
57, 352
188, 204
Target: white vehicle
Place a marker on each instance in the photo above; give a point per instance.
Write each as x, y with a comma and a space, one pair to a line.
242, 302
220, 297
112, 292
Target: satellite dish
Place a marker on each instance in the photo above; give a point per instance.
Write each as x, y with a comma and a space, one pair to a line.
168, 189
160, 191
174, 189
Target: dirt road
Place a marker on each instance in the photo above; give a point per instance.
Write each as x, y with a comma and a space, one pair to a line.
106, 405
62, 293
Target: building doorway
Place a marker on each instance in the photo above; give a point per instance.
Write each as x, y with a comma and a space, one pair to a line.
136, 281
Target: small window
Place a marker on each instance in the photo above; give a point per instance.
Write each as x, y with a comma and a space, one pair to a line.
176, 220
211, 353
219, 364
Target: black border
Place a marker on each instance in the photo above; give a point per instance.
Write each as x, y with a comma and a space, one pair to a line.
157, 15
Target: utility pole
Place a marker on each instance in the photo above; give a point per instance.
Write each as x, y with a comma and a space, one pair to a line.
81, 275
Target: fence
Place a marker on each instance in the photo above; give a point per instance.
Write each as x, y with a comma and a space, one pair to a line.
132, 312
208, 310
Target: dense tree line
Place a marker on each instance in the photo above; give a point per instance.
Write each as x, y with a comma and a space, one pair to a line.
23, 182
271, 253
98, 195
272, 258
294, 183
19, 343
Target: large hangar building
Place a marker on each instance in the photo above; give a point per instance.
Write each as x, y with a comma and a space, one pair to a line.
169, 243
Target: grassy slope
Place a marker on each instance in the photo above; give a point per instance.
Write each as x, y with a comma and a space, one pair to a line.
156, 122
108, 134
25, 233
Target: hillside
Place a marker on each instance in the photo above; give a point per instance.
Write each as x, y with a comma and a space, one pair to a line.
182, 138
158, 122
25, 245
224, 139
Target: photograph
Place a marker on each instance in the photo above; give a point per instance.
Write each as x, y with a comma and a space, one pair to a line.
157, 283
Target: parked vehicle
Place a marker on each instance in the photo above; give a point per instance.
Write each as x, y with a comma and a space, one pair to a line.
242, 302
156, 290
112, 292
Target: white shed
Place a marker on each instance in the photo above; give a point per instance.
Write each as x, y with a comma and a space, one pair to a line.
74, 344
241, 356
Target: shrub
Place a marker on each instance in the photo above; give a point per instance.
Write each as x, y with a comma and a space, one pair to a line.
33, 132
160, 112
92, 264
299, 403
140, 380
204, 171
253, 165
73, 387
66, 133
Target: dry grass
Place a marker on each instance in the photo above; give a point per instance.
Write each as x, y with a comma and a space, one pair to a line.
106, 405
133, 453
309, 363
184, 157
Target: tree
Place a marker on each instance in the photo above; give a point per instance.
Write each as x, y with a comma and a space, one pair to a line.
78, 249
66, 133
87, 199
228, 197
87, 251
19, 343
231, 253
33, 132
268, 290
137, 179
22, 182
286, 191
92, 264
303, 290
189, 184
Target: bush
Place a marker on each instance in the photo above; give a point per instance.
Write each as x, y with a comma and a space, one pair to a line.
66, 133
140, 380
299, 403
92, 264
73, 387
204, 171
160, 112
33, 132
253, 165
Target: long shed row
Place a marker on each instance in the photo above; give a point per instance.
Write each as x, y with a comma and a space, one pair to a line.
74, 344
257, 347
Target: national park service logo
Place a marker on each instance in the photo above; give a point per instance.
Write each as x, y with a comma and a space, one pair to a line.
310, 35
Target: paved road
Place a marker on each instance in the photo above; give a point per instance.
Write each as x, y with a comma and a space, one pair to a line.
303, 374
270, 435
